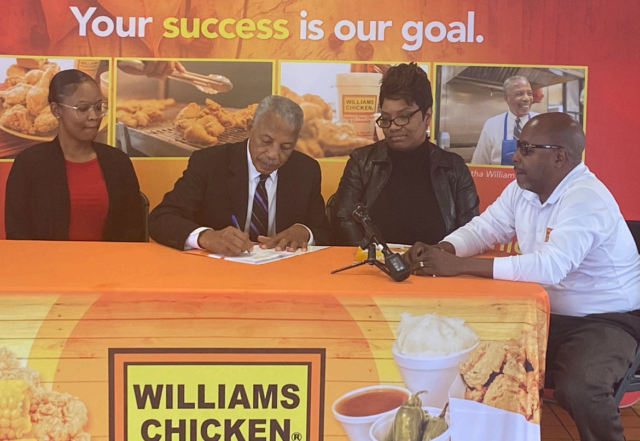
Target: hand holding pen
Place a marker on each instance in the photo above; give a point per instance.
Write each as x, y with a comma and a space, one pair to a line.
229, 241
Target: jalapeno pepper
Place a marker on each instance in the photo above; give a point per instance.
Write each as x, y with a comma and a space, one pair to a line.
435, 426
407, 425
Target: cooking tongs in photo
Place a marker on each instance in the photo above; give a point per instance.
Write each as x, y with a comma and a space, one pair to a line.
210, 84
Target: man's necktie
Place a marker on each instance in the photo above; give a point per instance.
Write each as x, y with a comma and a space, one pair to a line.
260, 211
517, 130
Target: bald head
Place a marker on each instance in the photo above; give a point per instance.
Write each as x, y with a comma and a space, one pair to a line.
556, 129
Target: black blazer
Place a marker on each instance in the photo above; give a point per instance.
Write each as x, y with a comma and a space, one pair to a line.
215, 186
37, 202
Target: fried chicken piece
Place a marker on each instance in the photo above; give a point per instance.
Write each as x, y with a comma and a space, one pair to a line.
485, 360
311, 111
211, 106
532, 405
126, 118
505, 393
16, 95
315, 99
16, 71
37, 96
338, 139
183, 124
191, 111
142, 118
288, 93
50, 65
132, 106
196, 134
530, 343
244, 116
17, 118
226, 118
57, 416
33, 76
212, 125
475, 394
310, 146
13, 81
45, 121
514, 361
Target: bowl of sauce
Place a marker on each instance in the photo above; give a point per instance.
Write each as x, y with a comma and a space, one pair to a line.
359, 409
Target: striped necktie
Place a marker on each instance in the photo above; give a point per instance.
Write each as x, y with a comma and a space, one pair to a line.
260, 211
517, 130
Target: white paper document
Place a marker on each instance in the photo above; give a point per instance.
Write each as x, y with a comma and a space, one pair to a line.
258, 256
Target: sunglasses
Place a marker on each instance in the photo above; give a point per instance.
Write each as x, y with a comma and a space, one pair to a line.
525, 148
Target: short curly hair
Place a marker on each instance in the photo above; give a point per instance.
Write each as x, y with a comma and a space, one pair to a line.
408, 82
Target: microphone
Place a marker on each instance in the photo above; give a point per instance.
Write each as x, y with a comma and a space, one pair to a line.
394, 264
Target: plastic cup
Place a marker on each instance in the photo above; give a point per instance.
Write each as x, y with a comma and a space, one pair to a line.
433, 374
357, 427
381, 427
358, 100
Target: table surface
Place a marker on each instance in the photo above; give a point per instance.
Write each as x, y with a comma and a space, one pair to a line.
33, 266
66, 304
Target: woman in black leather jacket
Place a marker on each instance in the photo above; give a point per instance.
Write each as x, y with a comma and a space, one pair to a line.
415, 191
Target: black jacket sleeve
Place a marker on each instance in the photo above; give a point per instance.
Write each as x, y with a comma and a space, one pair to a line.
316, 219
349, 195
467, 202
17, 218
131, 208
173, 220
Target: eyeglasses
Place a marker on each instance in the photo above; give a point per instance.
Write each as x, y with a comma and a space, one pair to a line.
525, 148
399, 121
83, 110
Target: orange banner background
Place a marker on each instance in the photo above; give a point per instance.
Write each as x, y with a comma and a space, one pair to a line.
596, 34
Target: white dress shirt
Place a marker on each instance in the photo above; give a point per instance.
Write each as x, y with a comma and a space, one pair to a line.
271, 185
576, 243
489, 147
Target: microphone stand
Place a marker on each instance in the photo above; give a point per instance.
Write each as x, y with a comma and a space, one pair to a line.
393, 265
371, 259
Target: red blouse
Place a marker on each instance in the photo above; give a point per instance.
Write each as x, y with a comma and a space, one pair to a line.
89, 200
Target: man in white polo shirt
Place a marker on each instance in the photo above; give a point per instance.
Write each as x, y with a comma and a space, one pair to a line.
575, 242
497, 142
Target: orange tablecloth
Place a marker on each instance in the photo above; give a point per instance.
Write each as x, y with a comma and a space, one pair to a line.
64, 306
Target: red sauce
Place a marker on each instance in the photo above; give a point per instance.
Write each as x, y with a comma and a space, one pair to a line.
371, 402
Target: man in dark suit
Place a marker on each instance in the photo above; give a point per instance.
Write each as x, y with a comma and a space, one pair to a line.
258, 190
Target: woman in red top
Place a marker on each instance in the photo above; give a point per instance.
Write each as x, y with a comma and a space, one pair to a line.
73, 188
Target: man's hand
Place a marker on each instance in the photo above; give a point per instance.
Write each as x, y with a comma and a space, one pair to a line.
294, 237
413, 254
434, 261
227, 242
441, 260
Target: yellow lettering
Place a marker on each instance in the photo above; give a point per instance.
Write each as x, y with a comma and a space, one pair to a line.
184, 31
264, 28
245, 28
223, 28
281, 31
172, 30
205, 28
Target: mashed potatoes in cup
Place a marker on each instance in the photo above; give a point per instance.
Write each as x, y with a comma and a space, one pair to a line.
428, 350
431, 335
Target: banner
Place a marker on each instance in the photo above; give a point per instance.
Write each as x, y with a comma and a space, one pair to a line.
263, 365
329, 58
